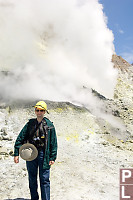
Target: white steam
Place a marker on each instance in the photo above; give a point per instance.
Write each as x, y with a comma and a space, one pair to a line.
54, 48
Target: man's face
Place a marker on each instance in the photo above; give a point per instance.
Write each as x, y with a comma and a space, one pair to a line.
39, 112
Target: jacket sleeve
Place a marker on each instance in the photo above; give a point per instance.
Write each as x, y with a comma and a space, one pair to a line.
20, 140
53, 144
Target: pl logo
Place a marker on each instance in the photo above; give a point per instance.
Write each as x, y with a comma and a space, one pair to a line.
126, 184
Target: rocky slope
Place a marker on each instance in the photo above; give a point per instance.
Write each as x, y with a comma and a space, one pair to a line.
92, 146
123, 94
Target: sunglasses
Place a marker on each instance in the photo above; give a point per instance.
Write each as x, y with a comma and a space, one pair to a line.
39, 110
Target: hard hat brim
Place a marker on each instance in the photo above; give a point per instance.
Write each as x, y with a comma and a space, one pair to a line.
40, 107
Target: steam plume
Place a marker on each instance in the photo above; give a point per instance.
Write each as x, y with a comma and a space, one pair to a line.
54, 48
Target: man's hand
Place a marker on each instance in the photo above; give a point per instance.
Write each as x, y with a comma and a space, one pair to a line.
51, 162
16, 159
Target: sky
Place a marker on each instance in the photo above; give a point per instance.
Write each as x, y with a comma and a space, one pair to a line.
119, 15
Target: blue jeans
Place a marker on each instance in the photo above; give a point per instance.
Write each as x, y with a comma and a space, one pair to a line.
32, 167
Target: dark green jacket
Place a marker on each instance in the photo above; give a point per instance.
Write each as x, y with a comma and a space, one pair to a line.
51, 149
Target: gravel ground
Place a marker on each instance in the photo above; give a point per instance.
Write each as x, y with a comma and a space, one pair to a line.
87, 166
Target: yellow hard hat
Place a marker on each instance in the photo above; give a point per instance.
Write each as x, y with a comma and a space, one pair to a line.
41, 105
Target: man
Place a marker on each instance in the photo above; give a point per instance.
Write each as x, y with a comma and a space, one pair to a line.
41, 133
